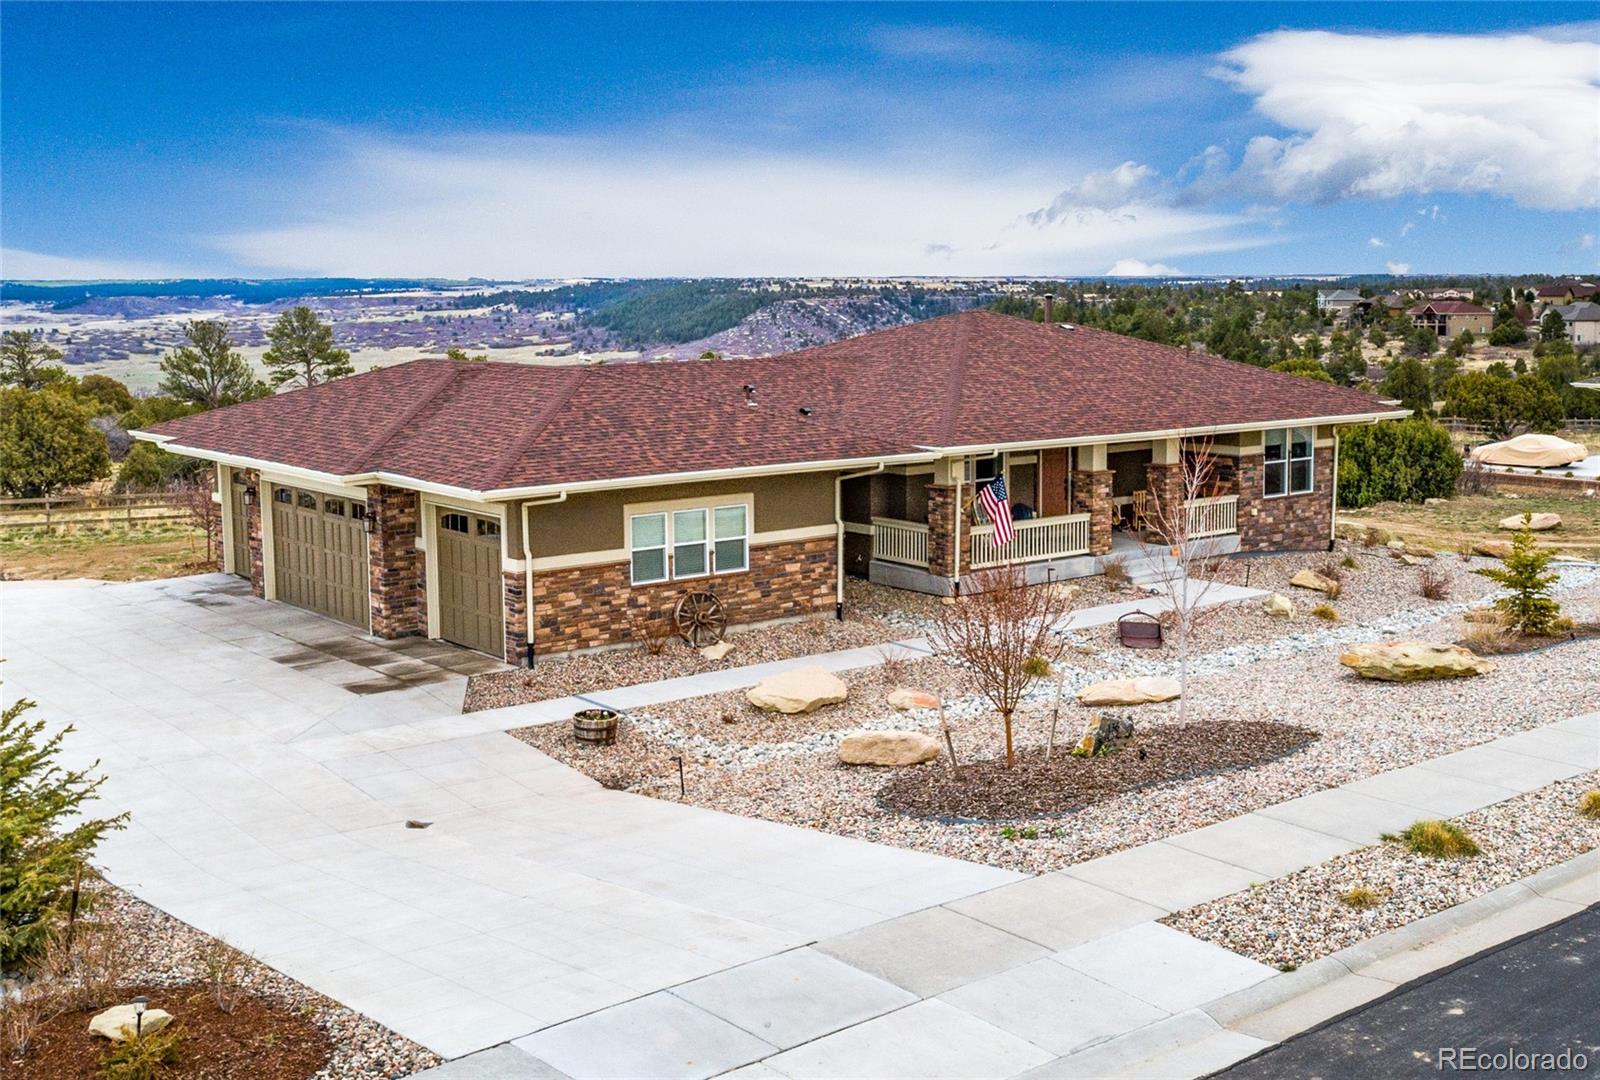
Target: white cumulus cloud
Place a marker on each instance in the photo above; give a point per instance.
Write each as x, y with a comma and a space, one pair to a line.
1377, 241
1398, 268
1105, 190
1381, 116
20, 264
1139, 268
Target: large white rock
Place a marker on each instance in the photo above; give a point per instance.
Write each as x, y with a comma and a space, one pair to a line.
1413, 661
1535, 522
717, 651
887, 748
1279, 605
798, 690
1143, 690
118, 1022
1310, 579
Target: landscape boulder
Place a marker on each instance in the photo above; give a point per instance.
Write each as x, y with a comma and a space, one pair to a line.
1310, 579
1416, 551
1279, 605
1396, 544
1535, 522
1143, 690
1494, 549
1103, 735
904, 698
717, 651
798, 690
1413, 661
887, 748
118, 1022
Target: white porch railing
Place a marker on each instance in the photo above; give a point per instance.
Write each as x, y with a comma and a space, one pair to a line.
1037, 539
899, 541
1214, 516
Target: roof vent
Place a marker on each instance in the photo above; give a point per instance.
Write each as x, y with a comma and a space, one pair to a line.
805, 410
750, 394
1066, 326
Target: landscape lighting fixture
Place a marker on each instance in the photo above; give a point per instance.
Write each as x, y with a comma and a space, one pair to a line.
139, 1005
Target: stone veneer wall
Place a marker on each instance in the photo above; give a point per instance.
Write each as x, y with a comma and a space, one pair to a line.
586, 607
254, 508
1165, 484
396, 566
1091, 494
941, 529
515, 586
1290, 522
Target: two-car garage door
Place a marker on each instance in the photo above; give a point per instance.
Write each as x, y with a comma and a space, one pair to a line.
319, 549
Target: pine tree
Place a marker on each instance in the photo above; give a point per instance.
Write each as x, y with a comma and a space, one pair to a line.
302, 350
43, 838
28, 362
208, 371
1530, 607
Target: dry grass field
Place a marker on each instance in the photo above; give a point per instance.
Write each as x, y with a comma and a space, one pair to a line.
106, 555
1464, 520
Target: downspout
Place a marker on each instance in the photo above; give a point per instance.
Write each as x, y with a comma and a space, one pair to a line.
1333, 511
838, 525
527, 570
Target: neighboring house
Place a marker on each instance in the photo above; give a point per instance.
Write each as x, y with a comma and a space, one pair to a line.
1560, 293
1389, 304
1340, 303
1448, 318
525, 510
1450, 294
1583, 322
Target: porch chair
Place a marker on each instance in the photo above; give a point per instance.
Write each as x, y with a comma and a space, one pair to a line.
1141, 510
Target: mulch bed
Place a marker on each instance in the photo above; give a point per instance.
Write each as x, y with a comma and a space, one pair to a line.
990, 790
258, 1039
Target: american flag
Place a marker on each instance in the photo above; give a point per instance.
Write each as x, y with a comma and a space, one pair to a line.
992, 496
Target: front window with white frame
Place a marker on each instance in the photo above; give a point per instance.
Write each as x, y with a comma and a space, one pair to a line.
1290, 454
688, 543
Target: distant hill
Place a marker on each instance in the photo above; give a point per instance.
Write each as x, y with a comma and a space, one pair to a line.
63, 295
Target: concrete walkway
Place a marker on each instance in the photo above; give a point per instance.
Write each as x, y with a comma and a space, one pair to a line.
593, 933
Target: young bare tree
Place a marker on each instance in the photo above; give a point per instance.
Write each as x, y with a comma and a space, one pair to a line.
203, 511
1193, 563
1002, 630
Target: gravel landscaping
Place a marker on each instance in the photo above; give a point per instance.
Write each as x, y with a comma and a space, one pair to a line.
1301, 917
280, 1029
787, 770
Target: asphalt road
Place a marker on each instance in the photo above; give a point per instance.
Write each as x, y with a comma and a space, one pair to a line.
1537, 995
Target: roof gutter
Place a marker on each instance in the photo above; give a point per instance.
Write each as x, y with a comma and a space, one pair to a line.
527, 571
1168, 433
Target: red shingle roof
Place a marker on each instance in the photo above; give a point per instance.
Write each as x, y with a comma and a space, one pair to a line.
976, 378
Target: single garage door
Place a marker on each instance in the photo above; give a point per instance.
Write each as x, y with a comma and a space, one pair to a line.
471, 610
319, 550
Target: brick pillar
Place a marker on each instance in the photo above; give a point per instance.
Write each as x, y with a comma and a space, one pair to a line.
255, 505
941, 529
395, 564
214, 529
1053, 482
1165, 484
516, 616
1091, 494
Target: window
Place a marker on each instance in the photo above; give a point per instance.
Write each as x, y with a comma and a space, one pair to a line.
982, 470
688, 543
732, 539
333, 506
1289, 455
487, 528
647, 541
306, 500
358, 510
283, 495
454, 522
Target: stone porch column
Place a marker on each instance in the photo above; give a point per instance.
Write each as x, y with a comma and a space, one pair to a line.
1163, 478
941, 530
254, 507
1091, 494
395, 564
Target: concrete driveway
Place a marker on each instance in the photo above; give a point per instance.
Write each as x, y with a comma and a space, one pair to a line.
247, 739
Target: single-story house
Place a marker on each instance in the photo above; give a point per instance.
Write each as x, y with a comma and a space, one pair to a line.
1388, 304
1582, 320
527, 511
1340, 303
1566, 291
1448, 318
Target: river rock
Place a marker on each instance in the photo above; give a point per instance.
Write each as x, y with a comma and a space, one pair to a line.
887, 748
1535, 522
1396, 544
1310, 579
1413, 661
1279, 605
717, 651
904, 698
1494, 549
118, 1022
1103, 735
798, 690
1143, 690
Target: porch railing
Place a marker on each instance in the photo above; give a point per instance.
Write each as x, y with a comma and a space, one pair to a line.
1214, 516
1037, 539
899, 541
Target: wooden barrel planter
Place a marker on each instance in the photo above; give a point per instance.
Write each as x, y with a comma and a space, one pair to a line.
595, 727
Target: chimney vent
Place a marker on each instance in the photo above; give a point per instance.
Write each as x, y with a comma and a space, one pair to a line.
750, 394
805, 410
1049, 307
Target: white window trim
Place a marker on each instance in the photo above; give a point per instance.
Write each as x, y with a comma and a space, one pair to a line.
713, 539
706, 551
1288, 462
665, 547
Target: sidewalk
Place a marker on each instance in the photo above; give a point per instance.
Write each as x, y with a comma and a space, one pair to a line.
1070, 974
642, 695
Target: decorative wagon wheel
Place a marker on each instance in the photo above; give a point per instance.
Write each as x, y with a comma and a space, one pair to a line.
700, 619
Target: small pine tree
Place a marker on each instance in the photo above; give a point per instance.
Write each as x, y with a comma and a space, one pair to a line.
43, 839
1530, 607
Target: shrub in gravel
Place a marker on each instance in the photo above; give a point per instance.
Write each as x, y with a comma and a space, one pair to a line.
1361, 897
1589, 805
1436, 840
1433, 583
1523, 574
1325, 612
1349, 563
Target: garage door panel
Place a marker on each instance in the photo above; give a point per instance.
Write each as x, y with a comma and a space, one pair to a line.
320, 554
471, 601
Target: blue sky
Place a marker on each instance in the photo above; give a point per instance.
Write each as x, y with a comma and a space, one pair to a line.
561, 140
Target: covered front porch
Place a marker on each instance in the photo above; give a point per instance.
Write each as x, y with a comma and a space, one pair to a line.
922, 528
